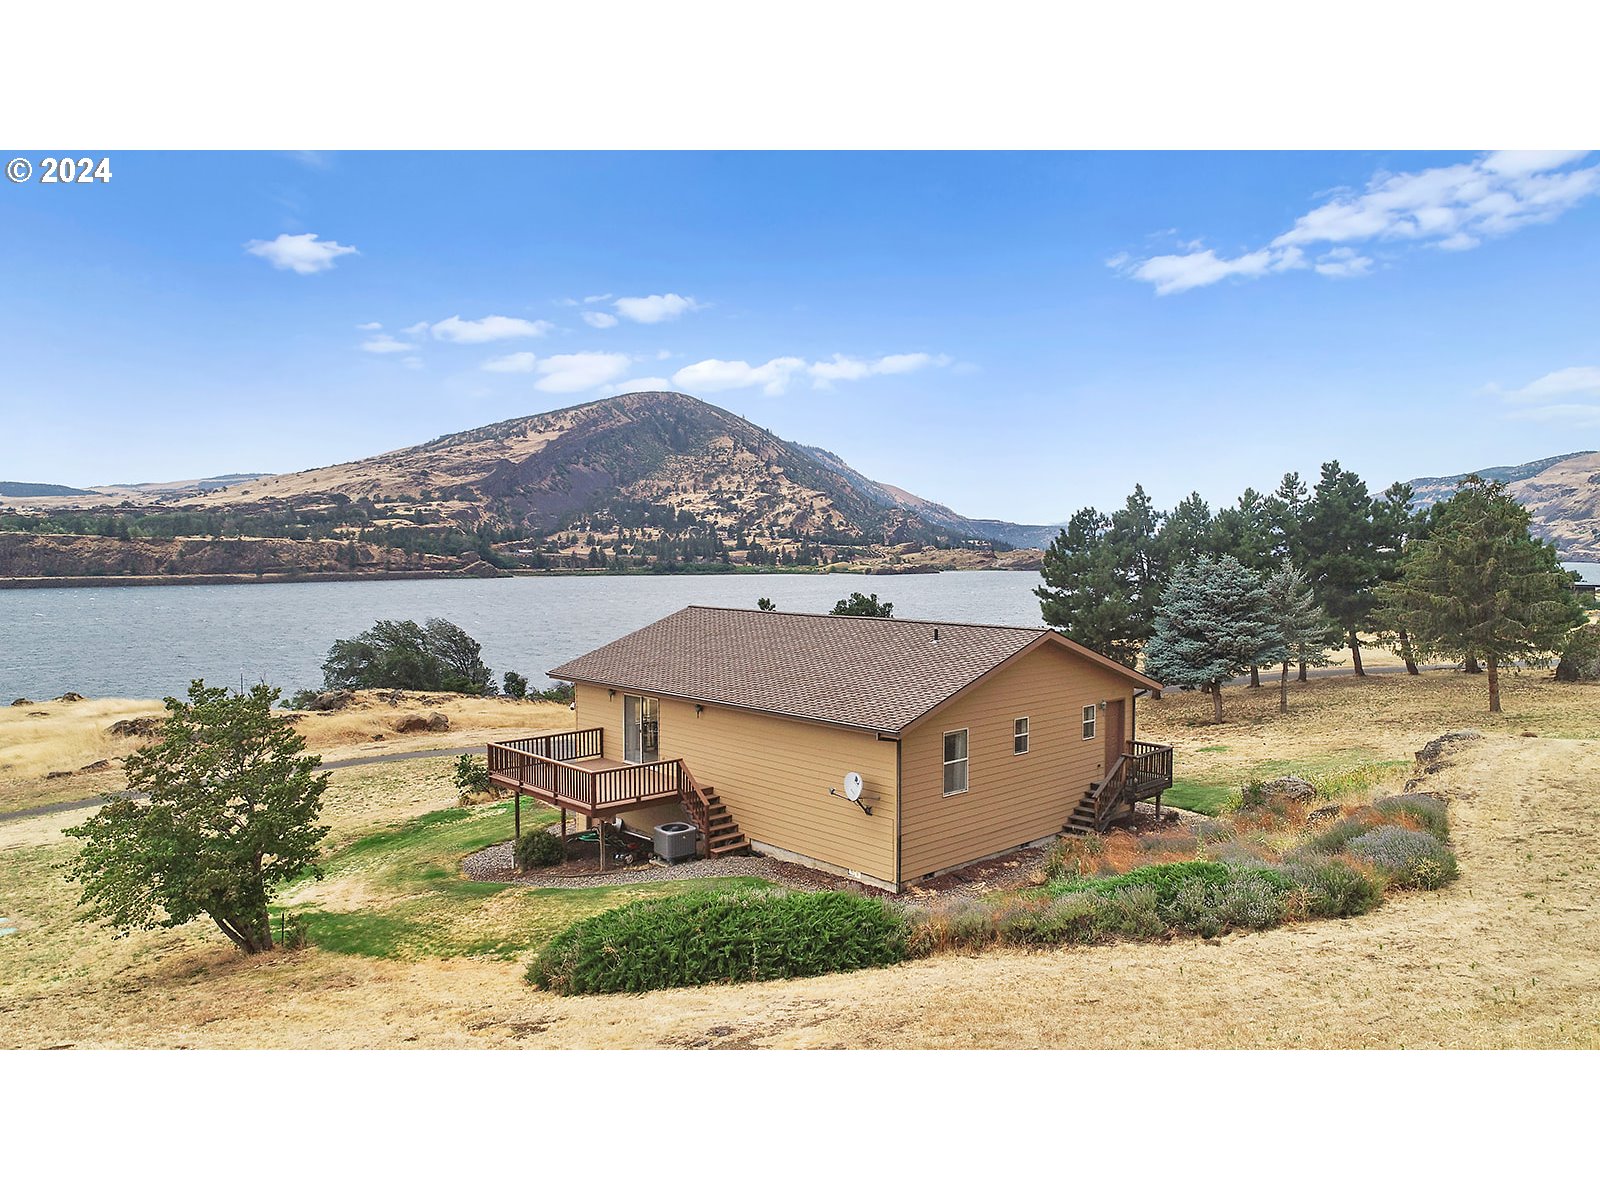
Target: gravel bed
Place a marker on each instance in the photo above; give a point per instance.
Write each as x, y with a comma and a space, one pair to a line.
495, 864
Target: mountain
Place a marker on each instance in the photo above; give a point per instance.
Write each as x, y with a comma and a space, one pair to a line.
647, 459
1032, 536
1562, 494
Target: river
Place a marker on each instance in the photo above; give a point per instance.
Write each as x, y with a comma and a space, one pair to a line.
151, 641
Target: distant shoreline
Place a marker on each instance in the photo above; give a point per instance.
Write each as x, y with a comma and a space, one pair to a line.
37, 582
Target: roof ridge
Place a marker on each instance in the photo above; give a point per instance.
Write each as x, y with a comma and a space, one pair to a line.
943, 624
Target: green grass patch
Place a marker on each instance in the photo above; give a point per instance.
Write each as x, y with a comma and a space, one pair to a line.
1206, 799
399, 892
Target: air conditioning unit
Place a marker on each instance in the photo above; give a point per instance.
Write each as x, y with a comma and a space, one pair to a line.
676, 841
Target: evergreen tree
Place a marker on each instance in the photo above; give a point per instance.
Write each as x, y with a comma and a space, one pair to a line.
1339, 551
1215, 620
1396, 526
1185, 534
1134, 539
857, 605
1480, 584
766, 605
1084, 592
1303, 626
1245, 532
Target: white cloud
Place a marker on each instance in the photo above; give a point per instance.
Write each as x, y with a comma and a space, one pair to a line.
1343, 263
485, 329
521, 363
600, 320
1558, 397
370, 325
651, 310
1171, 273
301, 253
842, 366
721, 375
420, 329
579, 372
384, 344
597, 299
648, 384
412, 363
1448, 208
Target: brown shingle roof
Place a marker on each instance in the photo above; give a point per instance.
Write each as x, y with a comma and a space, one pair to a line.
866, 672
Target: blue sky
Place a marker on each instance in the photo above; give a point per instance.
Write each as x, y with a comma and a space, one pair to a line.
1013, 335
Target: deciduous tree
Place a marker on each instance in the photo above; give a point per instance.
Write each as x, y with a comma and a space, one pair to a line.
229, 815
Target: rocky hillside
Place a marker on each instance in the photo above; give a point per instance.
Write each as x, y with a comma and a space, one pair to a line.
633, 460
1562, 493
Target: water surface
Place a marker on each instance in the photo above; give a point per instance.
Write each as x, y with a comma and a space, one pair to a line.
150, 641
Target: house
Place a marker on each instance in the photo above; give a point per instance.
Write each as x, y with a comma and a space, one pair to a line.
969, 740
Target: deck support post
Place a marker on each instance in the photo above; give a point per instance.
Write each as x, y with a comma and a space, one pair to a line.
563, 835
602, 845
518, 835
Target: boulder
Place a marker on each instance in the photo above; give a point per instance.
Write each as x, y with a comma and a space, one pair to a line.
21, 702
69, 697
1428, 757
331, 701
417, 723
137, 727
1288, 787
99, 765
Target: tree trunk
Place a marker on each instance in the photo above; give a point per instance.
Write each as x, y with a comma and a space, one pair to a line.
1216, 703
1302, 670
1355, 653
1283, 689
1471, 666
1255, 675
1494, 684
1405, 653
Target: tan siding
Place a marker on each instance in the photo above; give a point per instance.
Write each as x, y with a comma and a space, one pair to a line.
1011, 799
774, 775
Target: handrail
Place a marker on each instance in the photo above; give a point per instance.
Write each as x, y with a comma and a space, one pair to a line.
591, 786
694, 802
1142, 766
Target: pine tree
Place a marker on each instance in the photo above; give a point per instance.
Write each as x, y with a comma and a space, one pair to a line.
1245, 532
1339, 551
1302, 623
1215, 620
1480, 584
1084, 593
1396, 526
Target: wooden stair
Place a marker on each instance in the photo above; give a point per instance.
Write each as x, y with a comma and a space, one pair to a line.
1082, 819
720, 831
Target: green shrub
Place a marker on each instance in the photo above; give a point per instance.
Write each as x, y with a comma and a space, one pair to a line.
1164, 879
721, 937
1331, 887
537, 848
1340, 834
1408, 858
1428, 811
472, 774
1248, 899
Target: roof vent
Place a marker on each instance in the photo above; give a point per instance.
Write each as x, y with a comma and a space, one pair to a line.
936, 633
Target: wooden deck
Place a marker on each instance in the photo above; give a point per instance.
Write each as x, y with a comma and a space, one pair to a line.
1142, 772
570, 770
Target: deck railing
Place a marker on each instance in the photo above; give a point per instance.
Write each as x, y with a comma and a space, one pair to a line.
1142, 770
550, 766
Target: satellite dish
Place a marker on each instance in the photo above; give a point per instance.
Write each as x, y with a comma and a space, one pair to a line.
852, 786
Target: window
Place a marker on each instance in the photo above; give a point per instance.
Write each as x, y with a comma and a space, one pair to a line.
955, 762
1019, 736
1088, 722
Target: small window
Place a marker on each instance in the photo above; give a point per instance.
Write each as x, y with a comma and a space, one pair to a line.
1019, 736
1088, 722
955, 762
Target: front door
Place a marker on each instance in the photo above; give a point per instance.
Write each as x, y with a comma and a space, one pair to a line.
1116, 731
641, 729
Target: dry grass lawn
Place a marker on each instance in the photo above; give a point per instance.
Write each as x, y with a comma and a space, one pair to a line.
1507, 957
38, 739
